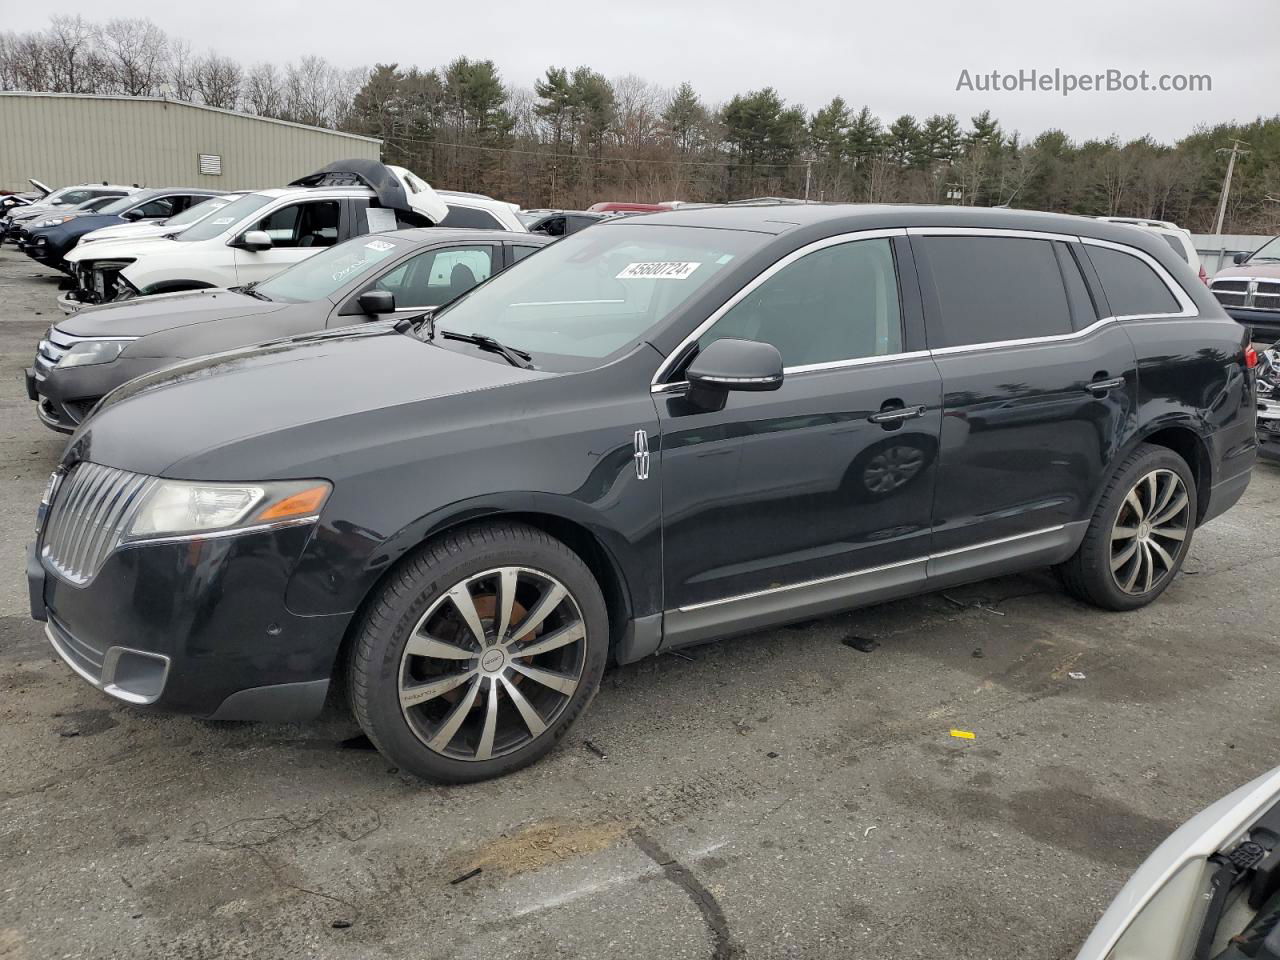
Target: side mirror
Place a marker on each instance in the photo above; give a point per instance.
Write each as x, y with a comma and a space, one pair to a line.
736, 365
1240, 258
134, 214
254, 240
374, 302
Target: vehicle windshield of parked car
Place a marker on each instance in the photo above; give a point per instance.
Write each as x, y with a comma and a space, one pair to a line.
120, 205
1269, 251
327, 272
233, 212
198, 212
594, 293
67, 196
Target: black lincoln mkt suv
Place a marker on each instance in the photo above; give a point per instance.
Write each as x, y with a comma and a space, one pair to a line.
662, 430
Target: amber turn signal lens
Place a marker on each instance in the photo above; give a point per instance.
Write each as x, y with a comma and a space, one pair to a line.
304, 503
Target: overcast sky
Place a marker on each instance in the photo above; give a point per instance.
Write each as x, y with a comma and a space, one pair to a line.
896, 57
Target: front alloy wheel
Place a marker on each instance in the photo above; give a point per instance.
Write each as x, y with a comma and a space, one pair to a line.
492, 663
1148, 532
478, 652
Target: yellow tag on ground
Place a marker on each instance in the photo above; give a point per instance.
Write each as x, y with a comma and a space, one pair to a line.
963, 734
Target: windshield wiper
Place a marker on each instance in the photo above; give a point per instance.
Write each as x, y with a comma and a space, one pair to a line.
517, 358
249, 288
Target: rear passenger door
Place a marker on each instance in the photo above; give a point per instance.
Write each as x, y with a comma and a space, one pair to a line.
1039, 387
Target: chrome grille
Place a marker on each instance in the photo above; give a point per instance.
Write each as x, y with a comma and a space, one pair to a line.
1246, 292
90, 513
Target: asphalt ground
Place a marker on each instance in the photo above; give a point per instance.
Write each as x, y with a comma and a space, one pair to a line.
784, 794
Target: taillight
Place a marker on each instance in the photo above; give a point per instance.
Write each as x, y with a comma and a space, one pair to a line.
1250, 357
1204, 277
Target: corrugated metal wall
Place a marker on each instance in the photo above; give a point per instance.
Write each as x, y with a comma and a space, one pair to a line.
64, 139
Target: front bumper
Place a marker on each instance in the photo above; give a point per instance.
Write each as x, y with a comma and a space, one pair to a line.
1264, 324
194, 626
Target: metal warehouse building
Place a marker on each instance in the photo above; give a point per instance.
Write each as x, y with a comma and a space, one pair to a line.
64, 138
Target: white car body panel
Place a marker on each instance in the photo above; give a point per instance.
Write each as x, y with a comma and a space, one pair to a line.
215, 263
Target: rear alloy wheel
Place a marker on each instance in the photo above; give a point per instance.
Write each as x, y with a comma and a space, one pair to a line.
1139, 534
479, 653
1153, 521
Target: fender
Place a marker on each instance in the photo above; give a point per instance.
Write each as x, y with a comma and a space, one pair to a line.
632, 559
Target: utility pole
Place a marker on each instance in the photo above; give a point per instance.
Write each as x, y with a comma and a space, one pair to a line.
808, 171
1226, 184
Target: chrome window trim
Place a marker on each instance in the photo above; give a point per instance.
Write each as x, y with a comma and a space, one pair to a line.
1026, 341
877, 569
834, 241
991, 232
1189, 308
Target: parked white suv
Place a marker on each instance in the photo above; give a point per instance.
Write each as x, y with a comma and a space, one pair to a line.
475, 211
1178, 238
257, 236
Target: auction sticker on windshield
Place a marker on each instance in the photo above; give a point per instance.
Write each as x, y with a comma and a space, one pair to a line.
659, 270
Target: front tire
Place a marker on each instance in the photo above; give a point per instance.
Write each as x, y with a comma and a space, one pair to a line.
1139, 534
479, 653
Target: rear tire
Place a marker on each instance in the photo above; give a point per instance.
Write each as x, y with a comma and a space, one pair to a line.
1139, 534
479, 653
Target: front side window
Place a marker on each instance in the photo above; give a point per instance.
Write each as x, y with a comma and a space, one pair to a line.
154, 209
837, 303
437, 276
471, 218
224, 219
326, 273
598, 291
313, 224
1133, 289
995, 288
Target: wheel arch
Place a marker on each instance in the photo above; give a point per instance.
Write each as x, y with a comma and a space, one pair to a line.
1183, 440
582, 534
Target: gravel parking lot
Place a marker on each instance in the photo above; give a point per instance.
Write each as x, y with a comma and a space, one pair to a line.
785, 794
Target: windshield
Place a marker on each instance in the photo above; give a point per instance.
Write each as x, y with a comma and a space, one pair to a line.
198, 212
233, 212
325, 273
68, 196
1268, 251
121, 205
596, 292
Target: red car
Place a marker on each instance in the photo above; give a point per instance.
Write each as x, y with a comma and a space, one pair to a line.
612, 206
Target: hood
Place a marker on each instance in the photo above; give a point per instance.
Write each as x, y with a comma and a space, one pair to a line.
43, 189
1265, 269
128, 247
164, 311
396, 187
131, 231
286, 401
84, 222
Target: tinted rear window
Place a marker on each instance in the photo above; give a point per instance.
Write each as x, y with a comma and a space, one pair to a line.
470, 217
1177, 248
1132, 287
995, 288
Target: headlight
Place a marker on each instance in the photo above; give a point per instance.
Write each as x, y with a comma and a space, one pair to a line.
51, 222
88, 352
176, 507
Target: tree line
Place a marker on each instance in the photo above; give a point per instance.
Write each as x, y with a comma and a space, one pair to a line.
577, 136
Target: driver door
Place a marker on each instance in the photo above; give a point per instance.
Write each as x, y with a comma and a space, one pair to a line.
297, 230
790, 501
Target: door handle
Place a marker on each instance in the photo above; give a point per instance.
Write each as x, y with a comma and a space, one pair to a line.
896, 415
1100, 387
